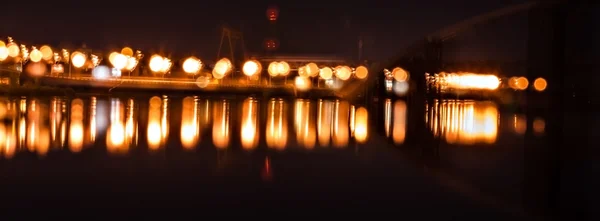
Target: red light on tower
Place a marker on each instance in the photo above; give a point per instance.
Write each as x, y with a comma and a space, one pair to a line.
272, 13
271, 44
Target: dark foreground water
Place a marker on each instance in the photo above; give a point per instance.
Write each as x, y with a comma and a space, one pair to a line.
447, 160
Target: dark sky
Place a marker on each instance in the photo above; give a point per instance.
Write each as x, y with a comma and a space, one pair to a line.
192, 27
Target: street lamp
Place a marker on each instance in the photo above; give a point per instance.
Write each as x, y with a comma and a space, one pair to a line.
192, 66
78, 59
160, 64
251, 68
361, 72
35, 55
343, 72
222, 68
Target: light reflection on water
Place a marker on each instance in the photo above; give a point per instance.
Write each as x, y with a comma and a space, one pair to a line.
39, 125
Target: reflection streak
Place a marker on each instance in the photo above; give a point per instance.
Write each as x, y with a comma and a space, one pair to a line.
277, 128
465, 122
249, 127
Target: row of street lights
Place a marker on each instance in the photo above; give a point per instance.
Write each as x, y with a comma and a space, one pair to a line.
128, 60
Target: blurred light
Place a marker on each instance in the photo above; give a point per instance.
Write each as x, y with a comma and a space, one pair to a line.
202, 81
540, 84
222, 68
400, 88
57, 69
192, 65
47, 53
472, 81
78, 59
35, 55
65, 54
312, 69
539, 126
112, 56
343, 72
115, 72
302, 71
283, 68
400, 74
127, 51
521, 83
119, 61
302, 83
156, 63
95, 60
326, 73
131, 63
361, 132
35, 69
361, 72
3, 51
272, 69
166, 65
251, 68
13, 50
101, 72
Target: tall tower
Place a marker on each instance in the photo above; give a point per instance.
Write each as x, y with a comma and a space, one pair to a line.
232, 38
271, 43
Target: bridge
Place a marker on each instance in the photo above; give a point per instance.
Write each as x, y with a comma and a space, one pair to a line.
426, 55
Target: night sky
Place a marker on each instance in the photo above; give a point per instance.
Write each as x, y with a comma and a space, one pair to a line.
193, 27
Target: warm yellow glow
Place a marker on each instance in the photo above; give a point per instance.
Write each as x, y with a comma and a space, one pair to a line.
326, 73
192, 65
399, 129
132, 62
539, 126
283, 68
222, 68
324, 122
472, 81
35, 55
127, 51
361, 125
249, 127
157, 131
220, 129
277, 128
190, 132
312, 69
361, 72
272, 69
540, 84
387, 117
131, 126
465, 122
400, 74
341, 132
47, 53
251, 68
302, 71
78, 59
76, 126
166, 65
302, 83
520, 124
3, 51
118, 60
13, 50
519, 83
343, 72
153, 134
156, 63
304, 124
